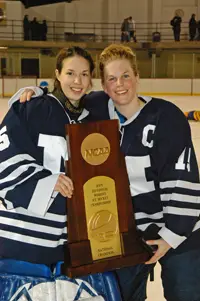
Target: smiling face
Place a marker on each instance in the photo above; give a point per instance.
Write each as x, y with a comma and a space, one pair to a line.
120, 82
74, 78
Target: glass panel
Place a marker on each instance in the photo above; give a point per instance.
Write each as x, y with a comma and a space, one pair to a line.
197, 65
183, 65
164, 64
144, 63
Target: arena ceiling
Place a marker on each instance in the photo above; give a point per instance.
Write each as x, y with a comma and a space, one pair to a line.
30, 3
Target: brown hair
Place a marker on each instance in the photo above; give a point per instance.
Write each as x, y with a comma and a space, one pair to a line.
115, 52
71, 52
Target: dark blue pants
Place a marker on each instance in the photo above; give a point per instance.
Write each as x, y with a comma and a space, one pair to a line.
180, 278
133, 281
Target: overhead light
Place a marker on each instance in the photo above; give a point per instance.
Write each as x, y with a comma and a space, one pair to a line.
3, 47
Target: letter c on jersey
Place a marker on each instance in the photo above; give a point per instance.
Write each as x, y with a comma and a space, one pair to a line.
146, 130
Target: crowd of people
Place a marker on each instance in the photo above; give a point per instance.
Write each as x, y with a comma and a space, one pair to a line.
34, 30
194, 27
128, 28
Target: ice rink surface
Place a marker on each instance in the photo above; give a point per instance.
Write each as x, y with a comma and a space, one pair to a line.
185, 103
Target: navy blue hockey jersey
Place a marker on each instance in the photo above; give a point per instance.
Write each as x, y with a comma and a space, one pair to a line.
32, 154
162, 167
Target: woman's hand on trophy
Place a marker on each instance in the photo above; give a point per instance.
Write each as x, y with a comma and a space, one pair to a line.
64, 185
26, 95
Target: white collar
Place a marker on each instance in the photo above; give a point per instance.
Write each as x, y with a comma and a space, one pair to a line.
114, 115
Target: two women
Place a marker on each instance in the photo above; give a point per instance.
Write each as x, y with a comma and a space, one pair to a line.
163, 175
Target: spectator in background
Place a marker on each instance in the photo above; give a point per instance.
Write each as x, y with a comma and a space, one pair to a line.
192, 27
125, 31
198, 30
44, 30
35, 30
132, 29
26, 27
2, 14
176, 27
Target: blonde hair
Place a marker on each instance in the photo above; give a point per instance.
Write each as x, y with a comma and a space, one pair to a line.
115, 52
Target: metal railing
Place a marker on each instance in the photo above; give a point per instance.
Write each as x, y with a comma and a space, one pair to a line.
96, 32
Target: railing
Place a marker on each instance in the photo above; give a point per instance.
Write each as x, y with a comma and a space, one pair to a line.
97, 32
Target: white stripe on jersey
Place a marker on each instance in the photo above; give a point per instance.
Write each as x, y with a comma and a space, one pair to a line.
14, 160
141, 215
31, 240
180, 184
18, 171
31, 226
179, 197
196, 227
5, 190
173, 239
52, 199
41, 197
9, 204
48, 216
181, 211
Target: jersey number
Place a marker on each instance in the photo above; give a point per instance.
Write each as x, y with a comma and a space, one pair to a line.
183, 162
4, 141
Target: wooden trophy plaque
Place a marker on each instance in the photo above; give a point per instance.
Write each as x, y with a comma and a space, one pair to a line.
101, 228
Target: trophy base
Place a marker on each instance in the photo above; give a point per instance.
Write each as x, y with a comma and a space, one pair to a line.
103, 265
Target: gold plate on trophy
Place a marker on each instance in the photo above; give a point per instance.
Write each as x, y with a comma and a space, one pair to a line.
102, 217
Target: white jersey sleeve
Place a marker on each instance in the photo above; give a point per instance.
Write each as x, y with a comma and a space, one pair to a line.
37, 90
